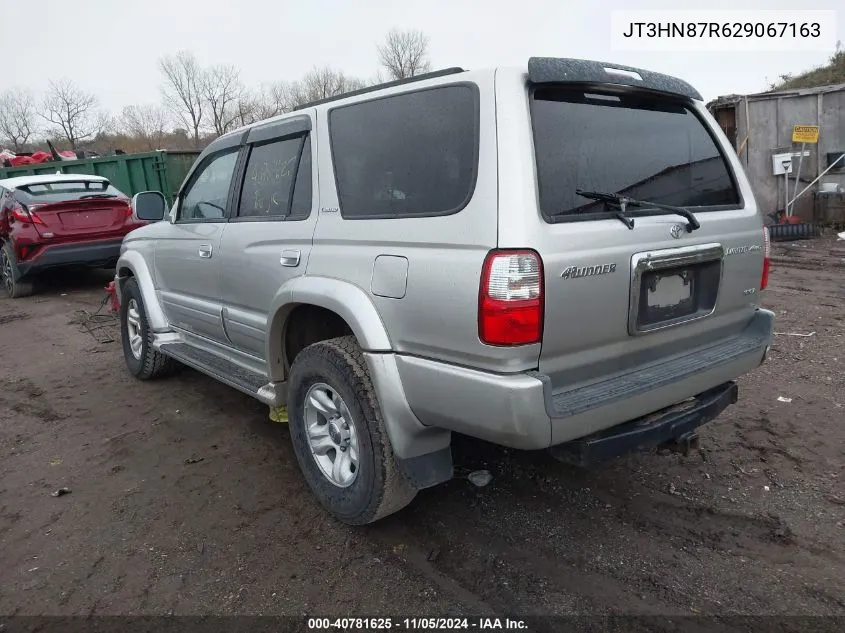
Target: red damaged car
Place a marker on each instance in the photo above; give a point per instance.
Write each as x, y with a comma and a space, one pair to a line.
61, 220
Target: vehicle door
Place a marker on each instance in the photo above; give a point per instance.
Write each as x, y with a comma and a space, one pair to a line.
186, 259
268, 239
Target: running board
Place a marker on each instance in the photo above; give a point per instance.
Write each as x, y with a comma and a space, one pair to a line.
227, 372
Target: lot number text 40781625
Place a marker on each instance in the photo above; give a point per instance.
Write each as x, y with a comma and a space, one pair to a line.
417, 624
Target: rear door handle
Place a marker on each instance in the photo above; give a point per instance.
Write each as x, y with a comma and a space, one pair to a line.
290, 258
205, 251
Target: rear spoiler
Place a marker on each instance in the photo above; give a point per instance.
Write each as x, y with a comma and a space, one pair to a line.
100, 181
554, 70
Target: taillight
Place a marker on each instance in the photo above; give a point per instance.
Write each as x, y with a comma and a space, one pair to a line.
128, 211
767, 253
510, 299
22, 215
19, 213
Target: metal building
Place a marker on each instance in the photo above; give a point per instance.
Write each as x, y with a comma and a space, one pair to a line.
760, 126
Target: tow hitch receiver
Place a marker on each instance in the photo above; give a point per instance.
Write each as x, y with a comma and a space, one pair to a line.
673, 428
684, 444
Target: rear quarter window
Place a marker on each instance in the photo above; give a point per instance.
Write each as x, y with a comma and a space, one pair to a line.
408, 155
645, 147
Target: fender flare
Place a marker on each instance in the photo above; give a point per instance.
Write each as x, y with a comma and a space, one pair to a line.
134, 262
347, 300
423, 454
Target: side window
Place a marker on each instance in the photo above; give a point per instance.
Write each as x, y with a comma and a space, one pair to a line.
413, 154
207, 195
300, 207
277, 183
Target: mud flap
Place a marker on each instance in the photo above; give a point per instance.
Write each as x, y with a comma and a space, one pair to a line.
427, 470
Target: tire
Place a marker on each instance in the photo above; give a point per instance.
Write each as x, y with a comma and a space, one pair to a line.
144, 362
337, 367
10, 275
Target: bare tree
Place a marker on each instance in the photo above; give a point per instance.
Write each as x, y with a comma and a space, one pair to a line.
147, 123
321, 83
376, 79
257, 105
222, 90
18, 118
71, 112
106, 122
268, 101
183, 90
277, 98
404, 53
247, 108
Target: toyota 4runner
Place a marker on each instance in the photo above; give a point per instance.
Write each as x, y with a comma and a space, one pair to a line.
566, 256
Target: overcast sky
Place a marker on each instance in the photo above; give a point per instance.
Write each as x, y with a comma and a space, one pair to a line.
111, 47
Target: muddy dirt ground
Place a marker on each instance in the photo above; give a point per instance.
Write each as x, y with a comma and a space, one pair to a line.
186, 499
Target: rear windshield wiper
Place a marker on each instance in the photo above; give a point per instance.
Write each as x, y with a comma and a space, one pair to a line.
609, 198
87, 196
624, 215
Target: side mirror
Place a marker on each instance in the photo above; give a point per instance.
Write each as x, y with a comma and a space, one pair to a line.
149, 206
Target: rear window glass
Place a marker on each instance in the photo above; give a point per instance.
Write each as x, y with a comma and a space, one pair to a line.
408, 155
43, 193
641, 147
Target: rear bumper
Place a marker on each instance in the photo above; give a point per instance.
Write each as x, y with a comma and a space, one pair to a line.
522, 411
660, 427
98, 253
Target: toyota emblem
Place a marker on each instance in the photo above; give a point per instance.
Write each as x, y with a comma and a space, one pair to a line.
676, 231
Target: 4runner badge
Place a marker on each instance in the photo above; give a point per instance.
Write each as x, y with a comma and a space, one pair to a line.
739, 250
574, 272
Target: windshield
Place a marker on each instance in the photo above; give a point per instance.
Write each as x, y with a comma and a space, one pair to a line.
639, 146
49, 192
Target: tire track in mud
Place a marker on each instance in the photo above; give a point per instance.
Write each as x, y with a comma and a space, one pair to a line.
499, 569
9, 317
23, 396
525, 571
414, 555
9, 519
532, 578
719, 530
537, 572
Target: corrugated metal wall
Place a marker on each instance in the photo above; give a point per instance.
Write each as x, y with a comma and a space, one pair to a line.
770, 132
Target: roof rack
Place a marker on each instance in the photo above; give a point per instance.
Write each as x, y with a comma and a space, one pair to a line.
389, 84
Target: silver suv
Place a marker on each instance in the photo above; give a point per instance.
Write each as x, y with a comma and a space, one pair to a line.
566, 256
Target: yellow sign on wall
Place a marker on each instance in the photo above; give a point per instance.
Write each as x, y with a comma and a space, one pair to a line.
805, 134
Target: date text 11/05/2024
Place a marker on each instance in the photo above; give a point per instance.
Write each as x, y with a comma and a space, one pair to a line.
416, 624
